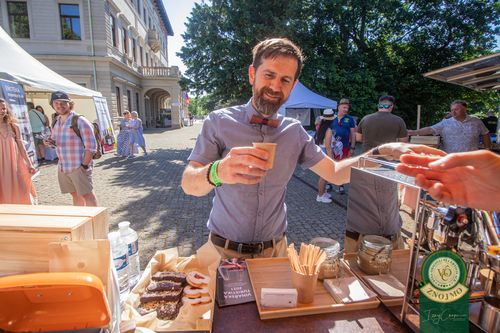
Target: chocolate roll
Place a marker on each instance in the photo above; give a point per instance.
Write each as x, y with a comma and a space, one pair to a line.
161, 296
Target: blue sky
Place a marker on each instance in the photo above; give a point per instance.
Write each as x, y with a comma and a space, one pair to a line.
178, 12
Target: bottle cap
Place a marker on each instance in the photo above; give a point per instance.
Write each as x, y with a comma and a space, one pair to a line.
124, 225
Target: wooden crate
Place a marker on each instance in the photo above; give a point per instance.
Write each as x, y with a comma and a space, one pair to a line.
399, 273
98, 215
26, 231
276, 273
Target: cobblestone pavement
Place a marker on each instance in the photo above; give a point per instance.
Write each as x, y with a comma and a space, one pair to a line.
146, 191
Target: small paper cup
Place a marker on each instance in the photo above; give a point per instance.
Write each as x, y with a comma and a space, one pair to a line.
305, 285
270, 148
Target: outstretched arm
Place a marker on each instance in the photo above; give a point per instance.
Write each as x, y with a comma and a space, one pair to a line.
469, 179
339, 173
422, 131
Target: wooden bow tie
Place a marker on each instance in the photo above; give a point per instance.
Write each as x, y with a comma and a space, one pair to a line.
264, 121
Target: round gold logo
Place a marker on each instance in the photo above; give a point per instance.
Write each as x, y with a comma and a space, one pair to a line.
444, 273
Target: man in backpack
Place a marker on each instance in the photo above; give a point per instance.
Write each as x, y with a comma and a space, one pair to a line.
74, 151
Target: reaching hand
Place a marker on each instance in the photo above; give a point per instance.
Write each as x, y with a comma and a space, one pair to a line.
396, 149
243, 165
468, 179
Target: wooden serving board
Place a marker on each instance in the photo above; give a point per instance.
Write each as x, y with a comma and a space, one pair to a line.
276, 273
385, 285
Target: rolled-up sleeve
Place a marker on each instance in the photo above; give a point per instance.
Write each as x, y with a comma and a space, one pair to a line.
207, 148
438, 128
311, 153
87, 133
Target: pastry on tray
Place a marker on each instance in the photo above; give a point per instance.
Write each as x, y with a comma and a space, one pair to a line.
169, 276
166, 295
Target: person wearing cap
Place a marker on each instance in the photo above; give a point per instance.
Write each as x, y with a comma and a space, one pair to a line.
320, 139
74, 170
460, 133
373, 206
343, 130
249, 215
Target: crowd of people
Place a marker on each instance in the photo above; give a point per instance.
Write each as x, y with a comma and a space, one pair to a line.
252, 219
70, 137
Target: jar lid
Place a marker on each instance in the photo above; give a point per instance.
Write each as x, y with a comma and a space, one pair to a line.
374, 242
330, 246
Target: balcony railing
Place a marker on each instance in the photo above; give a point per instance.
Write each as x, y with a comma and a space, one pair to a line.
158, 72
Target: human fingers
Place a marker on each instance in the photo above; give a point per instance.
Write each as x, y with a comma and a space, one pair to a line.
439, 192
418, 160
259, 153
475, 159
422, 149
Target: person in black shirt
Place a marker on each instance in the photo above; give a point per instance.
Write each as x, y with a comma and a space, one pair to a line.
491, 122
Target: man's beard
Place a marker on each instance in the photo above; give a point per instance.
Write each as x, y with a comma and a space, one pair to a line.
265, 107
62, 113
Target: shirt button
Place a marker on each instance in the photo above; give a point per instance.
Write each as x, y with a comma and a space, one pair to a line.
261, 192
259, 213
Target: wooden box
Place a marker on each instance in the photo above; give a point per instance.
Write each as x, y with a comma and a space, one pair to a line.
26, 231
98, 215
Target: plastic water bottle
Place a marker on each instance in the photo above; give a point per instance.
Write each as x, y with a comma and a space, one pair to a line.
120, 260
129, 237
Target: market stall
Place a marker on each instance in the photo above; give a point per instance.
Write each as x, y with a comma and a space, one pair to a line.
315, 288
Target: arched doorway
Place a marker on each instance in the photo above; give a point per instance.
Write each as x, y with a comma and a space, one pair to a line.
156, 106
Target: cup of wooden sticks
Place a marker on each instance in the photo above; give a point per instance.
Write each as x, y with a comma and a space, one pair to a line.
305, 269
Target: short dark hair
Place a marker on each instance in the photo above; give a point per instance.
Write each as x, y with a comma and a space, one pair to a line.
460, 102
387, 98
30, 105
274, 47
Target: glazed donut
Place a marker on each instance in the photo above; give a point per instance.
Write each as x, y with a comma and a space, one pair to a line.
197, 279
195, 292
191, 301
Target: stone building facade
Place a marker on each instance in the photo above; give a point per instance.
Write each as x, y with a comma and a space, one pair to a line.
117, 47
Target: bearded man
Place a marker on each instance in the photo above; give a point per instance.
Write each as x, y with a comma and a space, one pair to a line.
74, 169
248, 216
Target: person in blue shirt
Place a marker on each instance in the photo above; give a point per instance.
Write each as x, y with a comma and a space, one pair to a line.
344, 139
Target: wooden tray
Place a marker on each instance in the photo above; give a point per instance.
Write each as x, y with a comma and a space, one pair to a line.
276, 273
399, 273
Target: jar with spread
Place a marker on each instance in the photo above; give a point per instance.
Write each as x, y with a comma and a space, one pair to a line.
330, 268
374, 255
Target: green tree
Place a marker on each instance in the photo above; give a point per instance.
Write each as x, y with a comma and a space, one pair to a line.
354, 48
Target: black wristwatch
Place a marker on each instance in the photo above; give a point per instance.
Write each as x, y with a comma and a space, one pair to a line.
85, 166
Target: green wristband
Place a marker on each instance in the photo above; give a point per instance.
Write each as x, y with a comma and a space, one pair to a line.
214, 177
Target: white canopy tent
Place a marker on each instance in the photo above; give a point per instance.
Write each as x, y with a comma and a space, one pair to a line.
301, 101
35, 76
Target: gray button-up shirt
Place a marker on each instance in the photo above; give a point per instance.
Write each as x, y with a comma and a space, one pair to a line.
460, 136
253, 213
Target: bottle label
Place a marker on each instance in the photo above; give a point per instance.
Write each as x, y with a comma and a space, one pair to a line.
133, 248
120, 262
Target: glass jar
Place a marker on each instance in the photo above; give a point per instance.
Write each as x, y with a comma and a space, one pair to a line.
330, 268
374, 255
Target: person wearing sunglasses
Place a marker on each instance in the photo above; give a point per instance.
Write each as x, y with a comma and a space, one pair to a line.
373, 207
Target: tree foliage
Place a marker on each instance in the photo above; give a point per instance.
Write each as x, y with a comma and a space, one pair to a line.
358, 49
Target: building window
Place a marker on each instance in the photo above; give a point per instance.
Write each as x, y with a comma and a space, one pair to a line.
129, 100
118, 101
139, 7
134, 49
19, 24
147, 60
125, 42
149, 20
70, 21
112, 22
144, 13
140, 55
